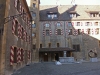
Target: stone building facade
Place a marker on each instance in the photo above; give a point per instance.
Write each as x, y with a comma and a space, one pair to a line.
34, 8
68, 27
15, 35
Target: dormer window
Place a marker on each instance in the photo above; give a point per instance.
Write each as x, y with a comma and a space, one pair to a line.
94, 14
52, 15
73, 15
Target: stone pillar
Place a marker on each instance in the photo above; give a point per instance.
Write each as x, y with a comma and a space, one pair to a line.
64, 54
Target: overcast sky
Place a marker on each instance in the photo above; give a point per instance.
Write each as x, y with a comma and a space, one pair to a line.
68, 2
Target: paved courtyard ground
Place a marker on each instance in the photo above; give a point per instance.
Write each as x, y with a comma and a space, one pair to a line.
86, 68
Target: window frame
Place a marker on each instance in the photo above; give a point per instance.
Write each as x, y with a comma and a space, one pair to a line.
58, 31
76, 47
47, 32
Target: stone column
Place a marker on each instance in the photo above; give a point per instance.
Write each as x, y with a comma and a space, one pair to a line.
64, 54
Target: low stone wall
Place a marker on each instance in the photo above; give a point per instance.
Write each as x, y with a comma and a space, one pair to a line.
66, 59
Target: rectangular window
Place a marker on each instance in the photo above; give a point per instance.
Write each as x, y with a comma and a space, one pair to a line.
34, 5
33, 14
79, 31
49, 45
58, 24
34, 46
58, 31
96, 14
52, 15
70, 31
18, 5
47, 25
40, 45
87, 23
69, 24
76, 47
15, 55
34, 25
16, 27
33, 35
47, 32
88, 31
97, 31
22, 33
21, 54
57, 44
73, 15
96, 23
78, 24
1, 31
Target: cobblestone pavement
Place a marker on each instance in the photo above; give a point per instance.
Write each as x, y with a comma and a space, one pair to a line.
87, 68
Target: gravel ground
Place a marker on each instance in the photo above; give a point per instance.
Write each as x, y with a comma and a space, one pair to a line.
86, 68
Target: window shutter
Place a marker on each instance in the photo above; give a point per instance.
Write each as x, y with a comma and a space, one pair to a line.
43, 32
62, 31
19, 55
11, 55
13, 26
18, 30
50, 32
56, 31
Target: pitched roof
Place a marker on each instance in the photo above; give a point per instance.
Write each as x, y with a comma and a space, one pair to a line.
64, 11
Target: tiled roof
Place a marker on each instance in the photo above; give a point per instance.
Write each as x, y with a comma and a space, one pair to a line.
65, 10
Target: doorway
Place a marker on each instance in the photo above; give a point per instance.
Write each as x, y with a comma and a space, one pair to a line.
45, 57
56, 56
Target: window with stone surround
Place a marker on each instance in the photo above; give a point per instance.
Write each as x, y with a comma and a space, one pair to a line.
34, 5
73, 15
15, 55
70, 31
16, 27
47, 32
97, 31
58, 45
89, 31
87, 23
58, 31
69, 24
96, 23
78, 24
79, 31
40, 45
49, 45
58, 24
94, 14
34, 46
76, 47
47, 25
52, 15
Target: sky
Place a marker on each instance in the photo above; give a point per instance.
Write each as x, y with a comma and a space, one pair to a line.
68, 2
